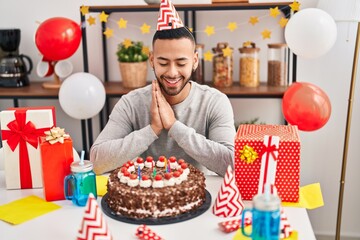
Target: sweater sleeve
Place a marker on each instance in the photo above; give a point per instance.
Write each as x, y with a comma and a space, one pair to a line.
217, 151
118, 142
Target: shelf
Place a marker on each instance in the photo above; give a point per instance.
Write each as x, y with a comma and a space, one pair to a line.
34, 90
190, 7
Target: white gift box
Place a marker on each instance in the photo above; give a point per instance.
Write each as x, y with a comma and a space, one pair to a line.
20, 131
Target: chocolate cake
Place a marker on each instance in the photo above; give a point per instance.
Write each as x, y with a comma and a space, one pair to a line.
155, 189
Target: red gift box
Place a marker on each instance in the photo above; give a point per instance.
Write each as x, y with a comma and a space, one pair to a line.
20, 130
247, 171
56, 160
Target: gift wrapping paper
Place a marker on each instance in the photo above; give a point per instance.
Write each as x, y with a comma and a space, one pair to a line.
250, 137
20, 132
56, 160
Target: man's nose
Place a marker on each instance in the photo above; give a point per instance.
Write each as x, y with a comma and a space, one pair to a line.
172, 71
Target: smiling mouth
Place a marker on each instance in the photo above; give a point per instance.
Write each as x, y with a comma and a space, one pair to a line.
172, 82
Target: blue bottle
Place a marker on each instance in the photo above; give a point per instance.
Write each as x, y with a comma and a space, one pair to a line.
80, 183
265, 217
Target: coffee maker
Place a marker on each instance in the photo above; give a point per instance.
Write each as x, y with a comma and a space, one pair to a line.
13, 70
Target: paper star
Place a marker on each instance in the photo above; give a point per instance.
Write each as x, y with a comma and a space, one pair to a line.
247, 44
91, 20
145, 50
127, 43
103, 17
208, 56
232, 26
191, 29
283, 21
84, 10
227, 51
122, 23
274, 12
266, 34
295, 6
108, 33
145, 28
253, 20
209, 30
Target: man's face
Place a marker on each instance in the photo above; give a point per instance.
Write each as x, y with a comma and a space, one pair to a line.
173, 62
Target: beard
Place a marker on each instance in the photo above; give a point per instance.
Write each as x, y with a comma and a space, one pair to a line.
171, 91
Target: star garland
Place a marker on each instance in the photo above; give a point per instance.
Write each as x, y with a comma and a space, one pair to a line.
209, 30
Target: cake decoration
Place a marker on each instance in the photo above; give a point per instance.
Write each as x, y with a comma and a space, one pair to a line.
155, 190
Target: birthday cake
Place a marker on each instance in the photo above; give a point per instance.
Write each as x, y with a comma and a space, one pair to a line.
155, 189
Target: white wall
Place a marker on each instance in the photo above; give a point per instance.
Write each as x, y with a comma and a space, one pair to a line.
321, 150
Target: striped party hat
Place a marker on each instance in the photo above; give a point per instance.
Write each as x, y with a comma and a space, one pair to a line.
168, 17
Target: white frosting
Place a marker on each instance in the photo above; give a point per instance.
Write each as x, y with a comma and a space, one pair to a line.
158, 184
178, 180
145, 183
160, 164
183, 177
170, 182
186, 171
141, 165
174, 165
133, 182
131, 169
149, 164
120, 174
124, 179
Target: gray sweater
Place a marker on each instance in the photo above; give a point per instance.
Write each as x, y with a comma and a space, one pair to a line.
203, 134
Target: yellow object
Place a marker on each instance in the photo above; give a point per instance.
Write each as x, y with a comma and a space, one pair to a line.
101, 182
310, 197
240, 236
25, 209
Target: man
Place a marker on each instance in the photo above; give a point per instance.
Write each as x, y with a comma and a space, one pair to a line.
172, 117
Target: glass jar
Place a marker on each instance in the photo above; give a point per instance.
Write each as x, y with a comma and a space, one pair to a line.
249, 66
222, 66
277, 64
198, 74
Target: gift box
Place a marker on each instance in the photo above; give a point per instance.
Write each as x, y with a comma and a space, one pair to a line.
56, 160
250, 150
20, 132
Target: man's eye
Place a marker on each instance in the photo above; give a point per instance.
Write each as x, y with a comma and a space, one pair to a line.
181, 64
163, 64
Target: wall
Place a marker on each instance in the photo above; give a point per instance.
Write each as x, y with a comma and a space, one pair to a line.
321, 150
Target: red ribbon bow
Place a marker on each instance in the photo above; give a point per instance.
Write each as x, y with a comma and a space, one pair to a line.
21, 133
268, 149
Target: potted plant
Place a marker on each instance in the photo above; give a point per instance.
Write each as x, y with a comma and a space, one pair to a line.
132, 57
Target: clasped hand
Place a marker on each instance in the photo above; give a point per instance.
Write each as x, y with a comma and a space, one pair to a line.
162, 115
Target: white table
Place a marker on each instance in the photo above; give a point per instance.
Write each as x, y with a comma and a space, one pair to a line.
64, 223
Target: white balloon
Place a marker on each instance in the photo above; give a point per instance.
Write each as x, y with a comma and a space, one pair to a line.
310, 33
82, 95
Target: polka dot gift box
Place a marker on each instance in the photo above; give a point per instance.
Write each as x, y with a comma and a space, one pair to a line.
249, 150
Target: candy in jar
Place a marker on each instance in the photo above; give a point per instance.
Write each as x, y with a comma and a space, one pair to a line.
249, 66
277, 64
222, 66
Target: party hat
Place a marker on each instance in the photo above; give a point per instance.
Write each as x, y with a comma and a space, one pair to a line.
145, 233
228, 202
168, 17
94, 226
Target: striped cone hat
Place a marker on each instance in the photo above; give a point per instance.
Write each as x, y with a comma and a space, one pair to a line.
228, 202
168, 17
93, 226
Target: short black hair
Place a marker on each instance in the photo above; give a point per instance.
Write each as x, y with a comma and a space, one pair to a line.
176, 33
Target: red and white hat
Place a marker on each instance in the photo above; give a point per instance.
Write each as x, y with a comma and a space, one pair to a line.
168, 17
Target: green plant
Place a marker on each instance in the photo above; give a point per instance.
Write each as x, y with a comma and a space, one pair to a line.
132, 51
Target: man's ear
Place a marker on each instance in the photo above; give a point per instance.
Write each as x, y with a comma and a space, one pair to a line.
151, 59
196, 60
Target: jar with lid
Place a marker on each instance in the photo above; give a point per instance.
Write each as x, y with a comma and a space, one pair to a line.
198, 74
249, 66
222, 66
277, 64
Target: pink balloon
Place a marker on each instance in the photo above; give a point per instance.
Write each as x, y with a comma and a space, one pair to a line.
306, 106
